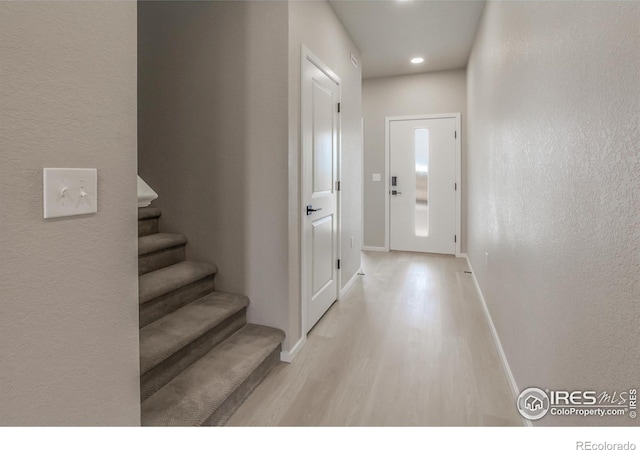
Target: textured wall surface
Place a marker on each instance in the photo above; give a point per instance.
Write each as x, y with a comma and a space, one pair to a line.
554, 190
68, 287
428, 93
213, 139
315, 25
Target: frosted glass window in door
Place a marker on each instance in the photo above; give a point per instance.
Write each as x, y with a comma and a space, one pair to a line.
422, 182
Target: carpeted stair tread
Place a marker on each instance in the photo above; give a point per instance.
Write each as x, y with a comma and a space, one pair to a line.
148, 213
162, 281
159, 241
164, 337
194, 395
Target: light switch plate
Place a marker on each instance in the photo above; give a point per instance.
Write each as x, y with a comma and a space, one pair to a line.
376, 177
69, 192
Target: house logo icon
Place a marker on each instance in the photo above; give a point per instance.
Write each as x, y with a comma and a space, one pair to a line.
533, 403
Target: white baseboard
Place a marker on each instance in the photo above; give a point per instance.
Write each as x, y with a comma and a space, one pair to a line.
350, 283
290, 355
463, 255
374, 249
496, 339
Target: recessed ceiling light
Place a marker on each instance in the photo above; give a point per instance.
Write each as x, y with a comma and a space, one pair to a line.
417, 60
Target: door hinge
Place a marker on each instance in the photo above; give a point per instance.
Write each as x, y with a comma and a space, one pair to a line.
338, 107
455, 134
455, 238
455, 186
337, 185
338, 264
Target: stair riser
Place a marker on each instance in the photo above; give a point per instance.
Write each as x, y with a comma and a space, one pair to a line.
148, 226
235, 400
158, 260
168, 303
158, 376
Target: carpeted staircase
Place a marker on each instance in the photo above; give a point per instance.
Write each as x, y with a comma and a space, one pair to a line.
199, 358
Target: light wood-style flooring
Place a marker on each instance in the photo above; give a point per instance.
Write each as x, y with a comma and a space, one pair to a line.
408, 345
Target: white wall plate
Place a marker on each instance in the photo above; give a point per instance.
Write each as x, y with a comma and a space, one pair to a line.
70, 192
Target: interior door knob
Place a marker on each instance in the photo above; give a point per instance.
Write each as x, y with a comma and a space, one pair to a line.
394, 192
310, 210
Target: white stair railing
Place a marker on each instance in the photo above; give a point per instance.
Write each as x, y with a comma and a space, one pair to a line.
145, 194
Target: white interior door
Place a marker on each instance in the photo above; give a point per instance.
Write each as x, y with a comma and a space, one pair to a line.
422, 185
320, 129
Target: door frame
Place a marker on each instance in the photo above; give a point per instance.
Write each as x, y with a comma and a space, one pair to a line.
308, 56
387, 162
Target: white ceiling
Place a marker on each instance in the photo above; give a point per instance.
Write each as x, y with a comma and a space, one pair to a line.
390, 32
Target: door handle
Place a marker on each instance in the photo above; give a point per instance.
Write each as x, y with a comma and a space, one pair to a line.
394, 192
310, 210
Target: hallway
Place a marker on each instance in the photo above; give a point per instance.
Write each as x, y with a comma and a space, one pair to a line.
407, 346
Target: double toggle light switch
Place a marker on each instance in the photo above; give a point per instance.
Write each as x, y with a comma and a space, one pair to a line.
70, 192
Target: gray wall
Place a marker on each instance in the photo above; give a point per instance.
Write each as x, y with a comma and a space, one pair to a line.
219, 92
428, 93
315, 25
213, 139
554, 190
68, 287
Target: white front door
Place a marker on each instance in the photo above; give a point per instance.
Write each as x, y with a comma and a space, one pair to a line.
422, 185
320, 129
